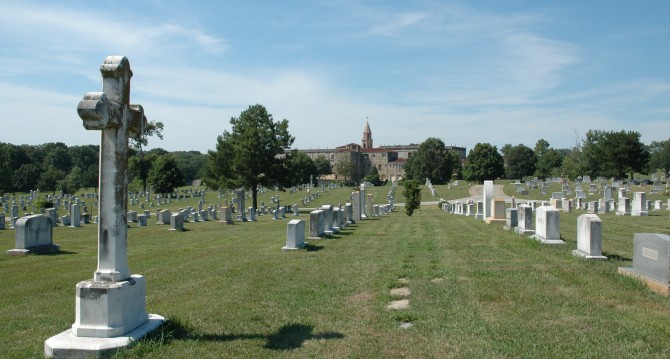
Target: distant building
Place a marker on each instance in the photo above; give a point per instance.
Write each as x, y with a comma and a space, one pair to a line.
354, 161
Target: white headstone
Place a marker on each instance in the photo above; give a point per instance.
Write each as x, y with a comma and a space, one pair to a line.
639, 204
548, 225
295, 234
33, 234
589, 237
524, 220
486, 199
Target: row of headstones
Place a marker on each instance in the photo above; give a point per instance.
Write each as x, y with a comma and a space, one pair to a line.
32, 234
546, 228
651, 251
601, 186
498, 209
72, 219
327, 221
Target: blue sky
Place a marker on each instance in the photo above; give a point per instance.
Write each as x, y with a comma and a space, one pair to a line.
463, 71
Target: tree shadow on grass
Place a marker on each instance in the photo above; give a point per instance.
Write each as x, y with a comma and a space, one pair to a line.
293, 336
288, 337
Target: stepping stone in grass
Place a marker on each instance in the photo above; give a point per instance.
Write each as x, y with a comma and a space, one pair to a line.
401, 292
398, 304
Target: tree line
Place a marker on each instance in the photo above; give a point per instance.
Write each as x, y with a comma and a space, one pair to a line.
617, 154
52, 167
256, 153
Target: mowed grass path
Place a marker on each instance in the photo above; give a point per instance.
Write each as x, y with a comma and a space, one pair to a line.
477, 291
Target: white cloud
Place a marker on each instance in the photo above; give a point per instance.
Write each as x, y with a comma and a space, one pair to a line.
396, 23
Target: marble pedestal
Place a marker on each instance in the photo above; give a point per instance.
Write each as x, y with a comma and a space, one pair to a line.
109, 316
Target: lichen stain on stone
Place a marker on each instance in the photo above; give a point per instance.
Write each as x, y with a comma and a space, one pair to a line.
92, 293
104, 243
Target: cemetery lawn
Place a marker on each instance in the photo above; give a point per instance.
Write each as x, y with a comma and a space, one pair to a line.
477, 291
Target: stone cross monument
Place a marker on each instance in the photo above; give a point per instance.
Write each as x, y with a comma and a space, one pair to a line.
110, 308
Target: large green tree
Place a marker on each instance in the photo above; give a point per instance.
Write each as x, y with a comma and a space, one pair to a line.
323, 165
614, 154
373, 177
191, 163
660, 156
519, 161
548, 160
251, 154
300, 168
27, 177
483, 163
345, 167
431, 160
165, 175
86, 158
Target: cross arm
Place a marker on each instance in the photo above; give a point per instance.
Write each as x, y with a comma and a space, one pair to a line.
94, 110
137, 121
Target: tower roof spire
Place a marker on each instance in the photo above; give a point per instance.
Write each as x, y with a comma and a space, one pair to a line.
367, 135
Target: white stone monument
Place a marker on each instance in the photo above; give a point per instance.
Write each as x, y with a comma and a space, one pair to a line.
589, 237
34, 234
295, 234
639, 205
524, 220
497, 211
110, 309
548, 225
487, 195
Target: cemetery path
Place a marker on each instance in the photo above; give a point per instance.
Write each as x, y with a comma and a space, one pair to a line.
476, 191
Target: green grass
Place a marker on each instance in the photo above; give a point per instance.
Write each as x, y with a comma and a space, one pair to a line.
477, 291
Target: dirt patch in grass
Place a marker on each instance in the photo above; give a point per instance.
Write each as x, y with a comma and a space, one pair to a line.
361, 297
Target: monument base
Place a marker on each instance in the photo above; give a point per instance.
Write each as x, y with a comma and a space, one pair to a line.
495, 220
639, 213
49, 248
548, 241
621, 213
578, 253
110, 309
655, 286
286, 248
524, 232
67, 345
227, 222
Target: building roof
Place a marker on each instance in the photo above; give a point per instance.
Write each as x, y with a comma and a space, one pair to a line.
374, 150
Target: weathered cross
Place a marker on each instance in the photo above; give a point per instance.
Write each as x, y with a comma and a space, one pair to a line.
109, 111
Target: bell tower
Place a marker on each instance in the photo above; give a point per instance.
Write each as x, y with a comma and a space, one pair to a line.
367, 136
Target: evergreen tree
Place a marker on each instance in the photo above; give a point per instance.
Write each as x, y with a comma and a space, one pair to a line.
252, 154
412, 194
